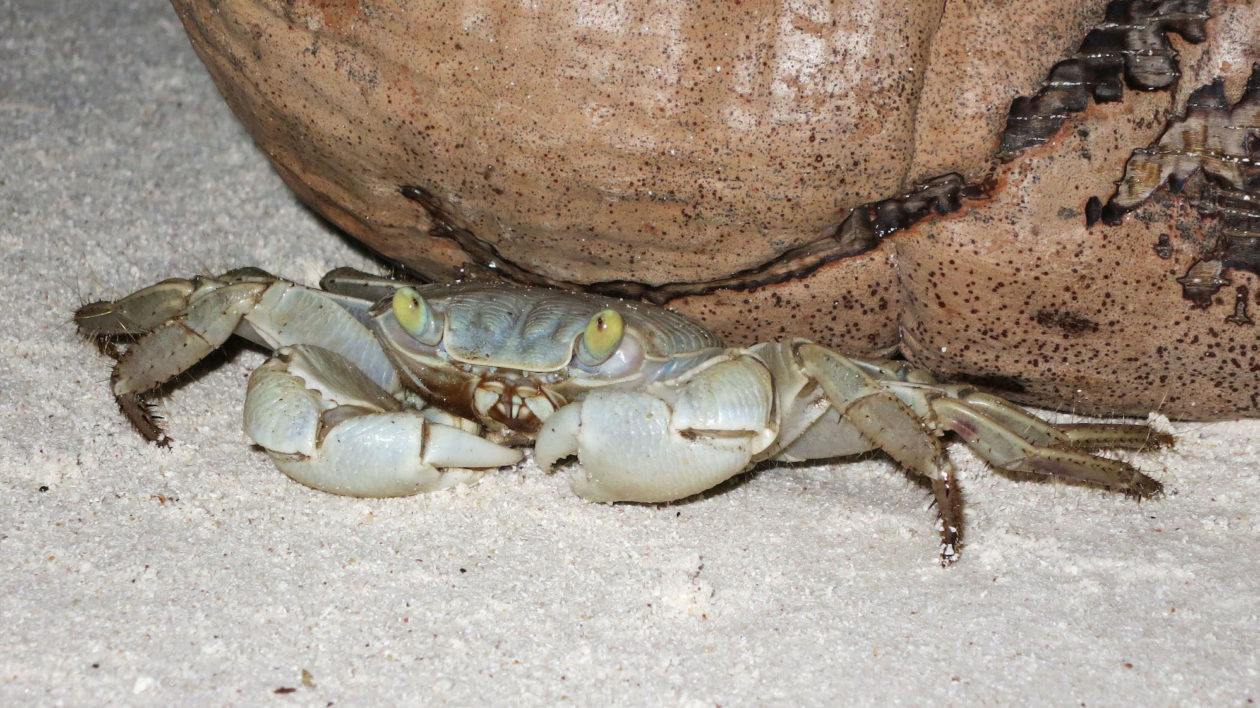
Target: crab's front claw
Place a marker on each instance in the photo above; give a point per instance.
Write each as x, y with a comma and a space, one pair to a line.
328, 426
668, 442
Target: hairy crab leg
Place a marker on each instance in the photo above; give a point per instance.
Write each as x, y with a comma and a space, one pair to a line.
177, 323
892, 426
902, 411
912, 384
328, 426
1080, 436
1007, 449
136, 313
180, 323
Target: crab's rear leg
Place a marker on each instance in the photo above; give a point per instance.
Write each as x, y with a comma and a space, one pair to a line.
1013, 440
108, 321
890, 425
1079, 436
328, 426
177, 322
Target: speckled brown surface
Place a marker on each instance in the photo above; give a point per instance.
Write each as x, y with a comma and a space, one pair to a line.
984, 55
590, 141
646, 143
1022, 295
581, 142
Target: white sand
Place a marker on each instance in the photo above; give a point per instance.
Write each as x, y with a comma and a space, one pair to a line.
200, 574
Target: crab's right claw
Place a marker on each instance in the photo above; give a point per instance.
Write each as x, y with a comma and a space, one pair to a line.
328, 426
669, 442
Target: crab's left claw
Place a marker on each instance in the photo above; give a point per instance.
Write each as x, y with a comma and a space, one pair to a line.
668, 442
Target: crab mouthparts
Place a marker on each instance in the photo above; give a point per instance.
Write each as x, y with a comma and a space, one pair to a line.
519, 407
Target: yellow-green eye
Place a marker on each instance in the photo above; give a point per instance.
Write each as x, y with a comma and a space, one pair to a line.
602, 336
414, 315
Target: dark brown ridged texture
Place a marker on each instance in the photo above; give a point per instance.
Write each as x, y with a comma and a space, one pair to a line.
1209, 158
1037, 296
1131, 46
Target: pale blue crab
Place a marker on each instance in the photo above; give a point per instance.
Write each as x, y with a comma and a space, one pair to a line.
379, 388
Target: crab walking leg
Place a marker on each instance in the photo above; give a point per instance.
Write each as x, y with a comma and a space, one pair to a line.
890, 425
204, 319
183, 321
917, 388
668, 442
327, 425
136, 313
1079, 436
1007, 449
173, 346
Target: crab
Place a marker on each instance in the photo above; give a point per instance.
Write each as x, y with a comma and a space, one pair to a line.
379, 388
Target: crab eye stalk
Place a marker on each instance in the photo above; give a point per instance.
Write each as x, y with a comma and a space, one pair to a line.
415, 316
602, 337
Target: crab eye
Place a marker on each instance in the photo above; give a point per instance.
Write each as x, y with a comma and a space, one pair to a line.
415, 316
601, 338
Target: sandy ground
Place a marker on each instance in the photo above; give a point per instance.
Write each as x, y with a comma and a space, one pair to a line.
131, 574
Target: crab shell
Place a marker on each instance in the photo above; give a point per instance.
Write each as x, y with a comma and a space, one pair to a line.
506, 358
746, 164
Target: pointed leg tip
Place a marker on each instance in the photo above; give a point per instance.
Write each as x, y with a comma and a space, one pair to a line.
950, 550
1143, 487
142, 417
1159, 441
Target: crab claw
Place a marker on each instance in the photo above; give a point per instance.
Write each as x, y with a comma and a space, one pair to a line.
328, 426
666, 443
